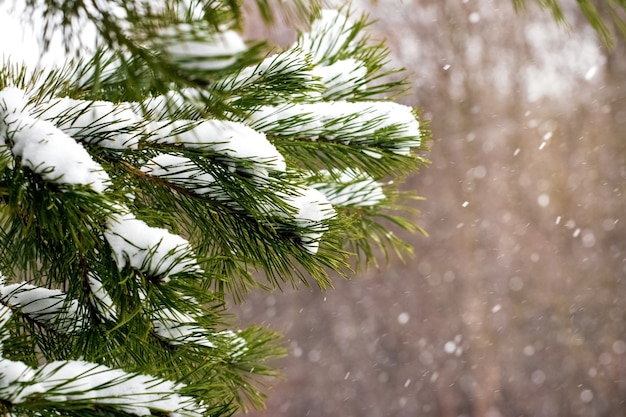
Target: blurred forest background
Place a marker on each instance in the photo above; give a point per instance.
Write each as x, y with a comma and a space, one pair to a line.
515, 304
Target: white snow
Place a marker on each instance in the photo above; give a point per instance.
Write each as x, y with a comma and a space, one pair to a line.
100, 299
342, 77
44, 305
312, 209
179, 328
346, 122
288, 63
351, 188
586, 395
329, 34
232, 139
181, 171
16, 381
109, 125
44, 148
86, 382
238, 345
153, 250
200, 49
403, 318
591, 72
449, 347
543, 200
588, 238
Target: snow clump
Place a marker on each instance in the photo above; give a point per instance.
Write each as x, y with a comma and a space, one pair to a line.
153, 250
44, 148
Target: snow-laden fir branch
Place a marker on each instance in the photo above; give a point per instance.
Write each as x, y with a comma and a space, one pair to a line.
86, 384
306, 208
54, 309
342, 78
144, 249
350, 188
182, 171
109, 125
232, 139
383, 124
286, 74
312, 212
152, 250
47, 306
199, 47
291, 63
330, 34
119, 126
350, 65
178, 328
44, 148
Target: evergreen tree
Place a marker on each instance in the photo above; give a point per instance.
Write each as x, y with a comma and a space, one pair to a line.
171, 167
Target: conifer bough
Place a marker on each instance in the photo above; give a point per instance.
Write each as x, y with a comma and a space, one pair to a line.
145, 182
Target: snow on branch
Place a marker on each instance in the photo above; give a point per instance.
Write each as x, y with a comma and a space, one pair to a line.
48, 306
312, 211
310, 208
119, 126
290, 66
179, 328
44, 148
200, 47
100, 298
114, 126
330, 34
350, 188
163, 107
384, 124
89, 384
182, 171
342, 78
232, 139
152, 250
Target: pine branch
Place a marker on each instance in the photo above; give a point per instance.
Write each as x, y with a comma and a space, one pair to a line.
602, 16
194, 166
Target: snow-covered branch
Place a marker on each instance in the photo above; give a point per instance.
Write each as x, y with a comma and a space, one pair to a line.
350, 188
382, 124
48, 306
44, 148
86, 384
153, 250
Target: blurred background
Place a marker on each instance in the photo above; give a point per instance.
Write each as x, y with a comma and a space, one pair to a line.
515, 304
